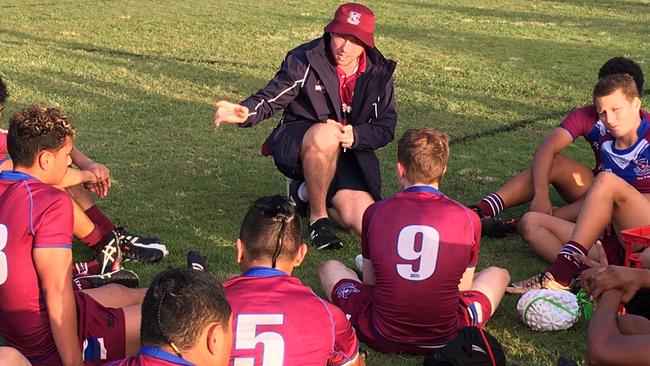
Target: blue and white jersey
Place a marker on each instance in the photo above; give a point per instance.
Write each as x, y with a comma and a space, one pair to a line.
631, 164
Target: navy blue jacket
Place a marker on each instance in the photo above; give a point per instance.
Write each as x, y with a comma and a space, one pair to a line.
306, 88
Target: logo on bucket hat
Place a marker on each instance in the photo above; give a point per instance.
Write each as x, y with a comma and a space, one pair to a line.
356, 20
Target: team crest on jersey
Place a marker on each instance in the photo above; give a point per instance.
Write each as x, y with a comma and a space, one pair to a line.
354, 18
346, 290
642, 167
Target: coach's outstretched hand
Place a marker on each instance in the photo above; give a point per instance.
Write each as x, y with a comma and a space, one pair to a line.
229, 113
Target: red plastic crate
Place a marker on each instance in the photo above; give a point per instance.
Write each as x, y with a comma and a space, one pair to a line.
632, 238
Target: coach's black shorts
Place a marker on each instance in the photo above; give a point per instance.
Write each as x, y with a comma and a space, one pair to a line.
285, 144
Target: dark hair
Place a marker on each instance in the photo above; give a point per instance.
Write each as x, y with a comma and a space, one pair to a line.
4, 94
611, 83
423, 153
35, 129
623, 65
178, 305
271, 229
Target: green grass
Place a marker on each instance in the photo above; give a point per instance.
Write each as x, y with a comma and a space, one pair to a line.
140, 79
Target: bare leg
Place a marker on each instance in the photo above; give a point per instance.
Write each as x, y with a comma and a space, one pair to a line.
82, 226
610, 199
545, 234
331, 272
10, 356
492, 282
571, 211
116, 296
570, 178
132, 320
80, 195
320, 149
350, 206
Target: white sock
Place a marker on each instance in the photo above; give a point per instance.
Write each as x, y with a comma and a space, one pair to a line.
302, 192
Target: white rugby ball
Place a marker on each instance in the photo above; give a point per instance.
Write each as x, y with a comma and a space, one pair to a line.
546, 310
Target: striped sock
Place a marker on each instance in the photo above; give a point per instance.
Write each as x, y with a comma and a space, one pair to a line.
491, 205
565, 266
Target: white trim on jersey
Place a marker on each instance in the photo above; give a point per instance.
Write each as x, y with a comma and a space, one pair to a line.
301, 82
624, 160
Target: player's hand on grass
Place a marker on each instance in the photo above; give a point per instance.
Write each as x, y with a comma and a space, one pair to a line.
541, 204
229, 113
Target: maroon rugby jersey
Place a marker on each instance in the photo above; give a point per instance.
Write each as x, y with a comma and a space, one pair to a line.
420, 243
279, 321
32, 215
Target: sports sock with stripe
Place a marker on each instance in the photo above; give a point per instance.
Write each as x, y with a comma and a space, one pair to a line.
491, 205
565, 266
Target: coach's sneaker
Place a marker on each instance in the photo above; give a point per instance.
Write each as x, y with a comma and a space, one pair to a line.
109, 255
140, 248
321, 235
498, 228
292, 192
542, 280
122, 277
196, 261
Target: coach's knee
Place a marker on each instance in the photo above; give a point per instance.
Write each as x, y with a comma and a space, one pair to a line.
321, 137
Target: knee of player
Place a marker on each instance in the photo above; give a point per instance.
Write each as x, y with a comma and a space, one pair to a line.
328, 267
606, 180
501, 273
526, 224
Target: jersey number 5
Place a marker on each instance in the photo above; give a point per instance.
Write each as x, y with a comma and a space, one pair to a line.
246, 338
3, 256
427, 255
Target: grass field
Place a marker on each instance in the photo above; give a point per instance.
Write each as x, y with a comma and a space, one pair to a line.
140, 79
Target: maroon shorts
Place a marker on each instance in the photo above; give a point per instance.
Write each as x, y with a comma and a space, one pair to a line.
101, 333
355, 300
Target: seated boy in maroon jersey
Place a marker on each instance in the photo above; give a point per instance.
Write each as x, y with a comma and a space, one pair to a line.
40, 314
185, 321
91, 226
276, 319
420, 249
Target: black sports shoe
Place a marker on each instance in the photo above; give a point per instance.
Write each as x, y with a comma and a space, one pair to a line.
196, 261
292, 193
122, 277
498, 228
109, 255
321, 235
139, 248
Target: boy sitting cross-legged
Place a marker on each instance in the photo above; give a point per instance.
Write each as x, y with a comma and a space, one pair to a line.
420, 249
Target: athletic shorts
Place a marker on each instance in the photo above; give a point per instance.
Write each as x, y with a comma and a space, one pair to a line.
355, 300
285, 144
101, 333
